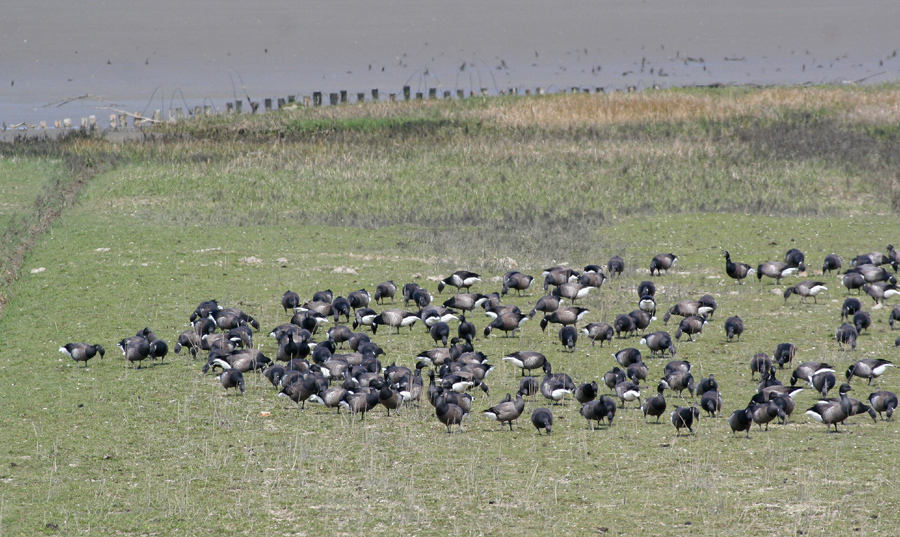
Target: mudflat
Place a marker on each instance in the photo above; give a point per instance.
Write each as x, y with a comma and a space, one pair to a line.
71, 61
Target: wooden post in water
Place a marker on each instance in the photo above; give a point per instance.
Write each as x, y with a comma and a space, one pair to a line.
238, 107
446, 94
199, 110
317, 98
229, 108
418, 95
343, 96
306, 100
360, 97
92, 122
254, 107
84, 124
292, 98
460, 94
333, 99
281, 102
179, 113
123, 121
207, 110
405, 93
393, 97
267, 102
113, 124
375, 94
157, 115
432, 93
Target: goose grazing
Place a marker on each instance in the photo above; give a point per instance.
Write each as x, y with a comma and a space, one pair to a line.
542, 418
628, 356
624, 325
707, 384
603, 332
614, 376
679, 381
873, 274
190, 340
135, 349
586, 392
646, 288
507, 322
339, 334
831, 413
557, 276
434, 314
832, 262
568, 336
869, 368
407, 291
529, 386
507, 411
359, 299
596, 269
764, 413
879, 291
684, 417
894, 316
323, 296
637, 372
806, 370
360, 402
573, 291
615, 266
655, 406
526, 360
421, 298
849, 308
159, 349
662, 262
599, 410
776, 270
690, 325
806, 289
466, 330
846, 334
760, 363
290, 300
628, 391
465, 301
823, 380
553, 389
82, 352
795, 258
862, 321
853, 280
364, 317
647, 304
562, 377
711, 402
461, 279
341, 306
737, 271
394, 318
516, 280
385, 290
389, 398
883, 401
564, 316
734, 326
592, 279
741, 420
784, 354
440, 331
659, 343
894, 257
686, 308
641, 319
232, 378
546, 304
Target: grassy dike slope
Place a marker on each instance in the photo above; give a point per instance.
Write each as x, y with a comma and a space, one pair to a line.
344, 198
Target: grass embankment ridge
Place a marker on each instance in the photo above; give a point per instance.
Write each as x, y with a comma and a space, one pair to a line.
246, 208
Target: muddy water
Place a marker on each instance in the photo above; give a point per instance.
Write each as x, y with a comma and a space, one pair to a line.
73, 59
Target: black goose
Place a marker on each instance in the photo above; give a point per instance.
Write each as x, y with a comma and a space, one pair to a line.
461, 279
686, 308
707, 384
562, 377
853, 280
764, 413
564, 316
659, 343
302, 389
873, 274
614, 376
628, 391
784, 354
596, 269
573, 291
655, 406
869, 368
389, 398
586, 392
204, 309
760, 363
440, 331
515, 280
849, 308
603, 408
883, 401
641, 319
545, 304
529, 386
684, 417
776, 270
894, 316
648, 304
734, 326
507, 411
637, 372
361, 402
359, 299
646, 288
880, 291
615, 266
82, 352
507, 322
662, 262
846, 334
806, 289
862, 321
831, 413
385, 290
624, 325
568, 336
542, 418
465, 301
394, 318
553, 389
690, 325
232, 378
421, 297
823, 380
408, 290
241, 336
290, 300
557, 276
679, 381
323, 296
190, 340
711, 402
434, 314
737, 271
677, 365
592, 279
741, 420
628, 356
894, 257
339, 334
795, 258
526, 360
603, 332
832, 262
466, 330
135, 349
806, 370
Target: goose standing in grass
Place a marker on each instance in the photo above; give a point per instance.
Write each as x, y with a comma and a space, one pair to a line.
686, 308
646, 288
823, 380
461, 279
592, 279
507, 322
465, 301
624, 325
734, 327
359, 299
553, 389
526, 360
795, 258
385, 290
659, 343
615, 266
684, 417
678, 381
364, 317
232, 378
394, 318
873, 274
542, 418
82, 352
853, 280
190, 340
341, 306
831, 413
707, 384
568, 336
628, 391
764, 413
603, 332
466, 330
760, 363
135, 349
656, 405
711, 402
879, 291
862, 321
586, 392
807, 370
572, 291
506, 411
662, 262
846, 335
614, 376
628, 356
806, 289
893, 257
832, 262
737, 271
883, 401
569, 315
440, 331
599, 410
894, 316
690, 325
557, 276
546, 304
516, 280
849, 308
741, 420
868, 368
784, 354
290, 300
641, 319
776, 270
647, 304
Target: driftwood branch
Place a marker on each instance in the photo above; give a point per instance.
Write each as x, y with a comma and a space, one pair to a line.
129, 114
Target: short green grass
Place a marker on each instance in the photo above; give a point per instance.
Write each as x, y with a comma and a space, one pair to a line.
163, 450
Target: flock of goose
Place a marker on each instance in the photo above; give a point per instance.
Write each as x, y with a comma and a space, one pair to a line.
308, 366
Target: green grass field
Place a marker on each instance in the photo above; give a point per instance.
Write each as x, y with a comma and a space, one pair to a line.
243, 209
